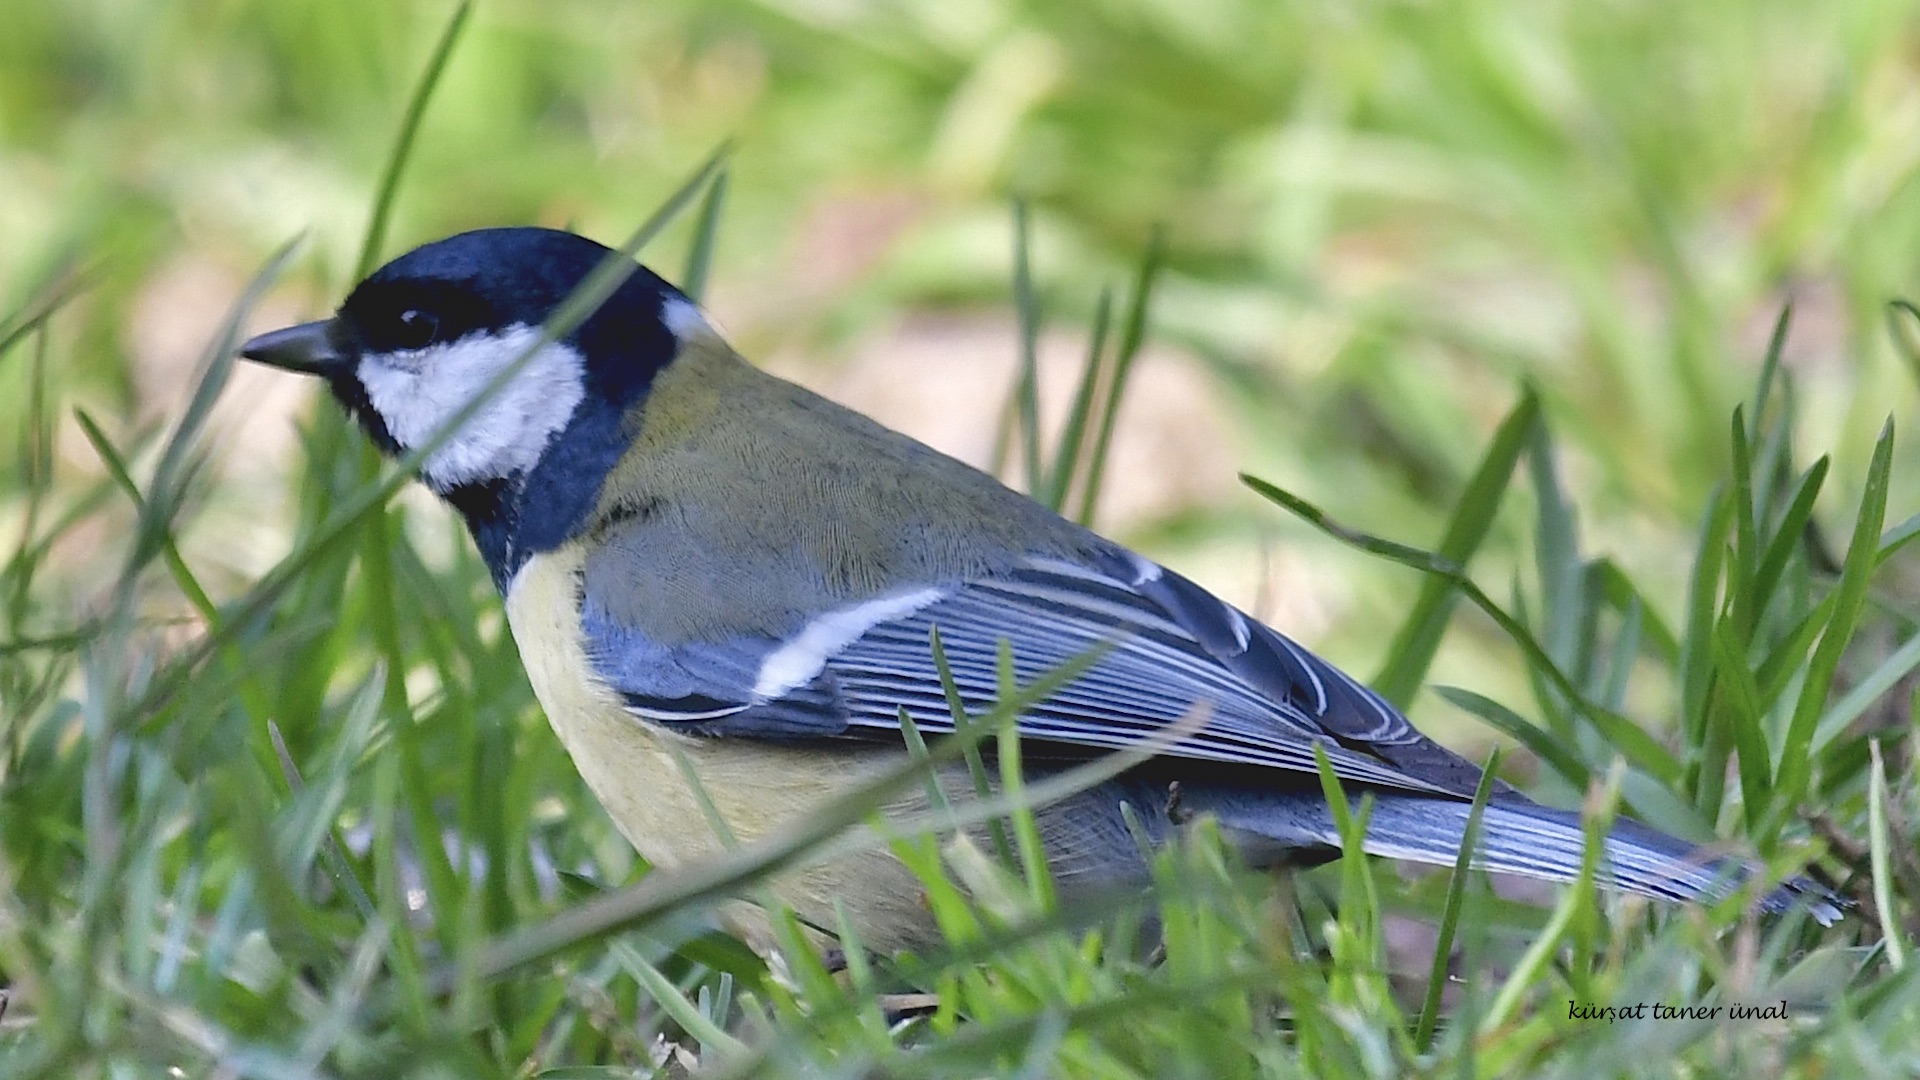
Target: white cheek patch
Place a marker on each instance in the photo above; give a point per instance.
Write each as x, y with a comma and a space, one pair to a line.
418, 392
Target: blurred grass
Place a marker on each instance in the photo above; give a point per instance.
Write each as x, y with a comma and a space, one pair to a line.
254, 819
1377, 215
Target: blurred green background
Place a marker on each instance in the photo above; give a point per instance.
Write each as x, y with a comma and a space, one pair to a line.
1380, 218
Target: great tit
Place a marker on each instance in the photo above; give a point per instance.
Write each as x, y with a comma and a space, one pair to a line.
704, 563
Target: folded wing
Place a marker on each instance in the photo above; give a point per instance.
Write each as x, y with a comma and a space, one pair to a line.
1169, 645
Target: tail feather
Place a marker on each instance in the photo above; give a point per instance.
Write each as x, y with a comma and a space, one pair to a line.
1530, 840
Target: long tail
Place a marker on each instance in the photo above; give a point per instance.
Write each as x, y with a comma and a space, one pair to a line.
1521, 837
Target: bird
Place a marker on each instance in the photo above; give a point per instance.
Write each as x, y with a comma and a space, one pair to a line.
708, 568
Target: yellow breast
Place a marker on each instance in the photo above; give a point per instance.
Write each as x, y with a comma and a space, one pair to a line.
755, 787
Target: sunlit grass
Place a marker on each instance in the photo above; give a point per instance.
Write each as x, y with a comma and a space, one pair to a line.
1477, 268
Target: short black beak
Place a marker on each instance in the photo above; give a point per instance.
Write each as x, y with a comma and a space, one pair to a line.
308, 348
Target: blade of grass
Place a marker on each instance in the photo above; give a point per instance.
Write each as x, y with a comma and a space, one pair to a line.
1740, 711
359, 725
1849, 600
1899, 536
1067, 458
116, 466
1623, 595
36, 467
388, 189
1903, 327
961, 721
1705, 777
1455, 903
1789, 536
1740, 591
1618, 671
917, 748
1544, 744
1787, 660
41, 306
706, 233
1026, 828
673, 1002
1866, 693
1133, 334
1358, 950
1564, 613
1879, 845
1413, 647
1027, 389
1770, 367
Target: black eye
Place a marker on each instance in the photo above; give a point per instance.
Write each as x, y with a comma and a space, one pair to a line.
416, 329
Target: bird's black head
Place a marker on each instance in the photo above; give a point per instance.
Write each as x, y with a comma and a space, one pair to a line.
425, 335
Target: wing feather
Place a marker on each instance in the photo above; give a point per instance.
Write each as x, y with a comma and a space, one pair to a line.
1170, 645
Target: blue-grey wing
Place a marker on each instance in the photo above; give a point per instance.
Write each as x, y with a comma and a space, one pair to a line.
1168, 645
1278, 669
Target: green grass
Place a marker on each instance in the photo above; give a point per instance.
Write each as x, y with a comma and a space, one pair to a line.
1491, 277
